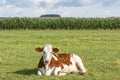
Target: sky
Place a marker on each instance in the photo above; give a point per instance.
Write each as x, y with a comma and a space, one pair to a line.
65, 8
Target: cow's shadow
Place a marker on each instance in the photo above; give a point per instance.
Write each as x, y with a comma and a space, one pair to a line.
27, 72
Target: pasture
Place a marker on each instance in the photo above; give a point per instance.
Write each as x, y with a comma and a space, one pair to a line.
99, 49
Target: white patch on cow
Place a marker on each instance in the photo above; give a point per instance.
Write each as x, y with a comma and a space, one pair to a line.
71, 68
79, 63
54, 57
47, 53
57, 72
49, 71
44, 71
39, 73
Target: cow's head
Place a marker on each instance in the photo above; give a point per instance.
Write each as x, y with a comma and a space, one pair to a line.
47, 52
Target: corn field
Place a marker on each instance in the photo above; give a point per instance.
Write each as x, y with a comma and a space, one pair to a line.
60, 23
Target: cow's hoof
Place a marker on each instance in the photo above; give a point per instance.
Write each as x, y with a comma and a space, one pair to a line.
39, 73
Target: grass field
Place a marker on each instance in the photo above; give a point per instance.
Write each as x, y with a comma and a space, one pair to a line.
100, 50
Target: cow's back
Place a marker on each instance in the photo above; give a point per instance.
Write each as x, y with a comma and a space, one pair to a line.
65, 58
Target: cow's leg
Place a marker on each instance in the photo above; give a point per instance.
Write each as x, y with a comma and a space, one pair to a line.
49, 72
62, 73
79, 64
57, 72
44, 72
40, 71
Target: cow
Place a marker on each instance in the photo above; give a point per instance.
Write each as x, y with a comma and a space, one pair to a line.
52, 63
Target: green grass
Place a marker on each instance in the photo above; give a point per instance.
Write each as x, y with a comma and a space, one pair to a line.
100, 50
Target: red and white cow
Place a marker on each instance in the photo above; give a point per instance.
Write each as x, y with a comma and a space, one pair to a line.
52, 63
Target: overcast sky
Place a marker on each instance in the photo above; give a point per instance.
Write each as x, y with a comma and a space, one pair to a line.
66, 8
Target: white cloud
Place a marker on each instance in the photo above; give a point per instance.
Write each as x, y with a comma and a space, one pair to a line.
50, 1
1, 10
87, 2
36, 2
3, 1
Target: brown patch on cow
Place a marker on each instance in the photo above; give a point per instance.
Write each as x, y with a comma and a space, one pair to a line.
41, 63
55, 63
65, 58
62, 59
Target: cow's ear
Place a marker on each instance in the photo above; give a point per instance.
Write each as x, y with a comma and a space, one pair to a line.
38, 49
55, 50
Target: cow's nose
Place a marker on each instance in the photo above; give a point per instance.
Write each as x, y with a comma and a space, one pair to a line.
46, 61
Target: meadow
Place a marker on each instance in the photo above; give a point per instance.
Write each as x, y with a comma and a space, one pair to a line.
99, 49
